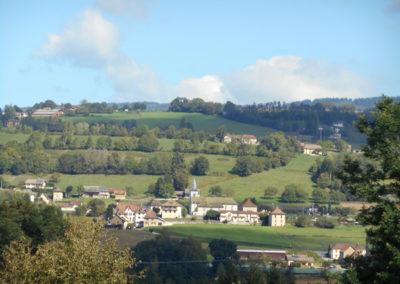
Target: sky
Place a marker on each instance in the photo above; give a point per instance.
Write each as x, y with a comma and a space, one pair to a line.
155, 50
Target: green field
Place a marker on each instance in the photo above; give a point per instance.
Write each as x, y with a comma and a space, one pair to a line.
208, 123
288, 237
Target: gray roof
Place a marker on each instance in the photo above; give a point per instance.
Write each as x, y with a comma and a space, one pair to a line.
95, 188
213, 202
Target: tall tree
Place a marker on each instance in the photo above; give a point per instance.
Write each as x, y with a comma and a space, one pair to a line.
379, 184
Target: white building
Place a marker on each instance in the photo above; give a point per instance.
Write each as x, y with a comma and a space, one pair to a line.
200, 205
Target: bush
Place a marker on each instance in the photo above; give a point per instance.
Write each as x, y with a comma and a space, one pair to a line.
303, 221
320, 195
294, 193
270, 191
212, 215
324, 222
200, 166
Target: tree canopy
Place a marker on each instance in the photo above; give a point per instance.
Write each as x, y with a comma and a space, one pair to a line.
378, 181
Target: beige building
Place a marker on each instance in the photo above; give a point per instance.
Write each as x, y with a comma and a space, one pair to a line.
277, 218
171, 209
151, 220
200, 205
58, 194
119, 194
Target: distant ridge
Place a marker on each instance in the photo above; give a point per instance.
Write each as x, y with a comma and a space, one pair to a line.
361, 103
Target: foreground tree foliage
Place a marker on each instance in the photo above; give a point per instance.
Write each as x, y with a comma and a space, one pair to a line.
378, 181
84, 255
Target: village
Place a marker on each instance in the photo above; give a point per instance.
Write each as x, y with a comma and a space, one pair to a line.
129, 214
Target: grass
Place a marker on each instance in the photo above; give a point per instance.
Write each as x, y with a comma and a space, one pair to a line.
208, 123
7, 137
274, 237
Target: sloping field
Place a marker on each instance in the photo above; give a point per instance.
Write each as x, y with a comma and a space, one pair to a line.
273, 237
208, 123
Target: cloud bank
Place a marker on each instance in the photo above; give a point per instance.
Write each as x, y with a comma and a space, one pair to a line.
93, 42
90, 41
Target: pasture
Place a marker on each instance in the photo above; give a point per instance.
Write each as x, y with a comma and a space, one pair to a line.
288, 237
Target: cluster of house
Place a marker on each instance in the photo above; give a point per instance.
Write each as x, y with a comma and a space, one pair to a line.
339, 252
242, 139
155, 212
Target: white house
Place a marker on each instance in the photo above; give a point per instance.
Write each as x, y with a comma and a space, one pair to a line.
171, 209
35, 183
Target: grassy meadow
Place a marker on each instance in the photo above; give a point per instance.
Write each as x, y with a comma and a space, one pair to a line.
208, 123
273, 237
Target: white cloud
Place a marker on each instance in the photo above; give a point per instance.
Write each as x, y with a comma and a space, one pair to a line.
138, 9
291, 78
93, 42
209, 88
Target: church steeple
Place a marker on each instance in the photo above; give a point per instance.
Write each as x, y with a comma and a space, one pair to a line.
194, 185
194, 191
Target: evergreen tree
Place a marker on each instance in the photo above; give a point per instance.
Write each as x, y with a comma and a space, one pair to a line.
379, 184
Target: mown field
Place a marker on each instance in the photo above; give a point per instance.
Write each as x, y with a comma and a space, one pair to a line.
208, 123
273, 237
242, 187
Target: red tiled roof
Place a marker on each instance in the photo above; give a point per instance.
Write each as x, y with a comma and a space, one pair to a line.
171, 203
247, 136
248, 203
122, 207
278, 211
117, 191
151, 215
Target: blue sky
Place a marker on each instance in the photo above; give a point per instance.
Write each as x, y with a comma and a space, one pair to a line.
243, 51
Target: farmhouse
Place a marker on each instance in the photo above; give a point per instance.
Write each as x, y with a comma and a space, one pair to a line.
341, 251
277, 218
200, 205
35, 183
58, 194
278, 255
117, 193
302, 259
47, 112
95, 191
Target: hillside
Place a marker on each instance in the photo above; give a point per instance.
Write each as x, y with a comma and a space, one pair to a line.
208, 123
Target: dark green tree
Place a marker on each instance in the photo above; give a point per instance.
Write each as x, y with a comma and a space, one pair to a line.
200, 166
294, 193
379, 184
270, 191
